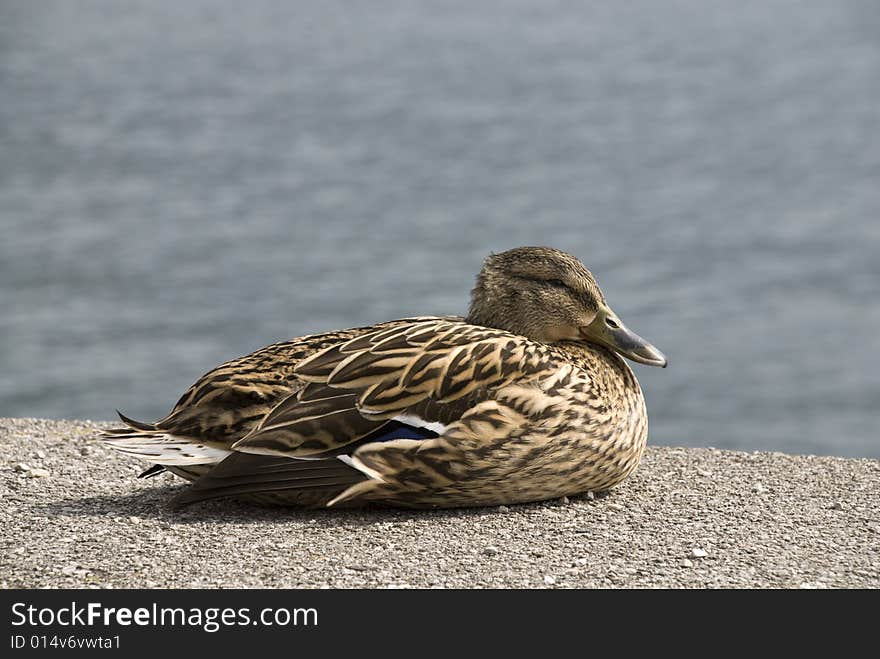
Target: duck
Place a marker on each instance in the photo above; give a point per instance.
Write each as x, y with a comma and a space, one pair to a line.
527, 398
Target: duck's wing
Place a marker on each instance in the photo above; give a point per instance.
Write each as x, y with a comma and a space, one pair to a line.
226, 403
229, 401
432, 387
425, 373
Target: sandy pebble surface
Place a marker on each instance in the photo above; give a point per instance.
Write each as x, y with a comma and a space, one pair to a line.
73, 515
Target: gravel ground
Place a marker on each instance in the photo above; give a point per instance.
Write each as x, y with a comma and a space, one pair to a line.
73, 515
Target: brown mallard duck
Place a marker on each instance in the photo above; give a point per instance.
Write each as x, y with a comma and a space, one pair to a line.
527, 398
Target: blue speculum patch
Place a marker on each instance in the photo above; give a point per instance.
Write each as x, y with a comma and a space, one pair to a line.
398, 430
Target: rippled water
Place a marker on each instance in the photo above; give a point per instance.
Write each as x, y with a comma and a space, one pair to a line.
181, 183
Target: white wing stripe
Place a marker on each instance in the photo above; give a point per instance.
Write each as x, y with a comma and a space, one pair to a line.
413, 420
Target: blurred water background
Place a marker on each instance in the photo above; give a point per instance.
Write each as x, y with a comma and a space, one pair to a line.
181, 183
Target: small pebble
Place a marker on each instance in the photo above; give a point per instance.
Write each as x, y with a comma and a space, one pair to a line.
549, 580
837, 505
696, 552
41, 455
38, 473
490, 550
503, 509
564, 500
616, 506
687, 563
85, 450
22, 466
591, 496
704, 473
758, 488
134, 520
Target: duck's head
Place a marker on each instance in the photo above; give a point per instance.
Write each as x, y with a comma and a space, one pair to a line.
548, 295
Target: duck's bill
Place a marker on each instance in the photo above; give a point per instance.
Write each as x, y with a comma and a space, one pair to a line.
607, 330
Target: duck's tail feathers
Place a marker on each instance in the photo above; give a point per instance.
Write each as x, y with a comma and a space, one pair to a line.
137, 425
155, 470
147, 441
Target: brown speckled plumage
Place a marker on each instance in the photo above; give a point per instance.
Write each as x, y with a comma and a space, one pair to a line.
524, 404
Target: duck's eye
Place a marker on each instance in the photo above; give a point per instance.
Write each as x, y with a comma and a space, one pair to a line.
556, 283
611, 323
